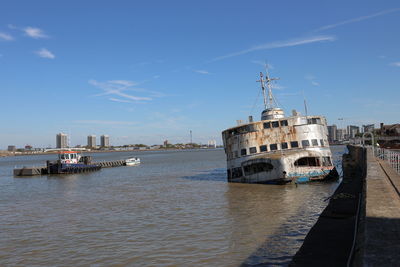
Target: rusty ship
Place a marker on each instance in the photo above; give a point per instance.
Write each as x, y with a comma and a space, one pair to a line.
278, 149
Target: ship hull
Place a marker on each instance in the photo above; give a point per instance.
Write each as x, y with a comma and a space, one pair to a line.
282, 168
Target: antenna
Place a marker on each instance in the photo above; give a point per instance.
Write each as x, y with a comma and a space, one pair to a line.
305, 107
269, 102
263, 90
305, 104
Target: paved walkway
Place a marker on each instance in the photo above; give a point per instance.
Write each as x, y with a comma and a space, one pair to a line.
382, 222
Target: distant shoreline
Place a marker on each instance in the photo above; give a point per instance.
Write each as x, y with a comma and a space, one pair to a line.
18, 154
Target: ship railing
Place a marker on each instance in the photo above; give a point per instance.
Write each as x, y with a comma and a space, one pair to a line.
390, 156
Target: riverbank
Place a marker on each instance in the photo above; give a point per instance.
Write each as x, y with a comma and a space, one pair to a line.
16, 154
361, 224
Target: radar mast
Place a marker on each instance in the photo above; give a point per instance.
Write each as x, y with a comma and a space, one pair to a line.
269, 100
271, 108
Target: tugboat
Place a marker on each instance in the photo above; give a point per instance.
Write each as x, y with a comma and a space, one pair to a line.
71, 162
278, 149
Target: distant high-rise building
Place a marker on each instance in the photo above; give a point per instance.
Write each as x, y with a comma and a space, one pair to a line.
61, 140
332, 133
341, 135
91, 141
104, 141
11, 148
352, 130
166, 143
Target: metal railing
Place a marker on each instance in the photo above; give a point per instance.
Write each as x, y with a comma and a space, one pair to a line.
391, 157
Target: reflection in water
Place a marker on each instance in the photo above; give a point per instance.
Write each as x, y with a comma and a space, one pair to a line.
176, 208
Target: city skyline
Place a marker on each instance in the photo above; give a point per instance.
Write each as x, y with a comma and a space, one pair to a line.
147, 74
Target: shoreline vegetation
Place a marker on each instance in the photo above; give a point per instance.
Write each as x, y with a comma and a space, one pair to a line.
4, 153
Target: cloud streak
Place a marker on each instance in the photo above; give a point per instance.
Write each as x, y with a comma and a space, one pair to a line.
261, 63
44, 53
312, 80
202, 71
395, 64
35, 33
6, 37
331, 26
279, 44
118, 88
102, 122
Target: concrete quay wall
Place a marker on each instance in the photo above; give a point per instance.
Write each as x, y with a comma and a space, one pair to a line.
361, 224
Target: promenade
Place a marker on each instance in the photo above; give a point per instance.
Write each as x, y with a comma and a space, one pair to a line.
382, 222
361, 224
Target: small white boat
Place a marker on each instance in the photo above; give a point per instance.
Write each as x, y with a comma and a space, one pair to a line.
132, 161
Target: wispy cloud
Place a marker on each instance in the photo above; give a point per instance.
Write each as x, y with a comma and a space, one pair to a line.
6, 37
263, 63
395, 64
312, 79
119, 100
202, 71
331, 26
44, 53
35, 33
118, 88
30, 31
102, 122
272, 45
314, 83
278, 87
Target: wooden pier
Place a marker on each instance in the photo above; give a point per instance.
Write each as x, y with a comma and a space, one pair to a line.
111, 164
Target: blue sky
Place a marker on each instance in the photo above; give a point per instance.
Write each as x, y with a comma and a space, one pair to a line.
146, 71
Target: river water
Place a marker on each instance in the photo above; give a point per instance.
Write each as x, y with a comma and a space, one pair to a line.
175, 209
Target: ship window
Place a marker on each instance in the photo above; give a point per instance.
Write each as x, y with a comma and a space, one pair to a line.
307, 162
275, 124
253, 150
294, 144
322, 142
236, 154
229, 173
257, 168
284, 146
273, 147
267, 125
314, 121
314, 142
305, 143
243, 152
326, 161
284, 123
263, 148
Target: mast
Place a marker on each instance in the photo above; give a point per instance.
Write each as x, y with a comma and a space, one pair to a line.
263, 90
269, 102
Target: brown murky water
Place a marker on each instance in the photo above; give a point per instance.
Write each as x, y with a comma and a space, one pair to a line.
175, 209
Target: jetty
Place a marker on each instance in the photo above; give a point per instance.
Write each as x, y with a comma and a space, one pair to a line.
361, 224
49, 169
